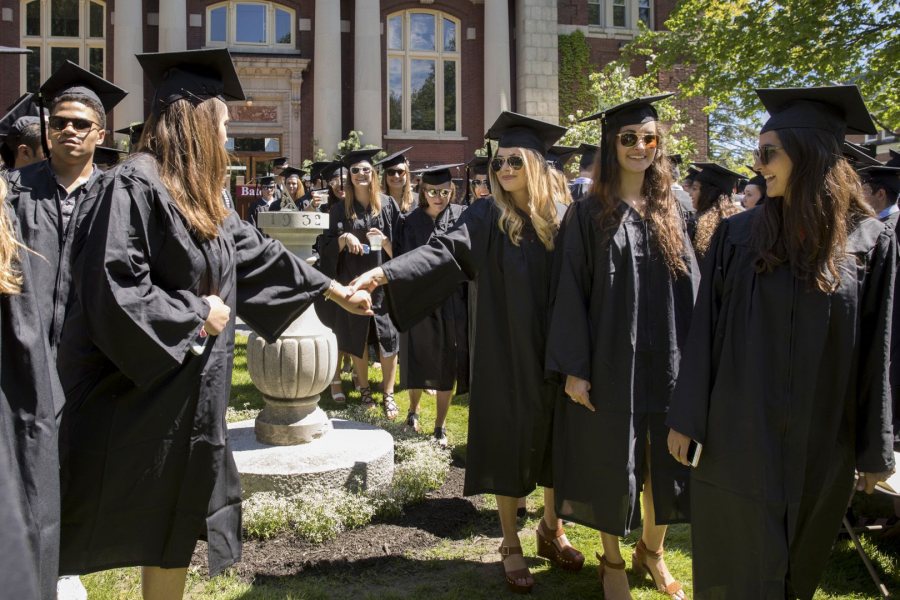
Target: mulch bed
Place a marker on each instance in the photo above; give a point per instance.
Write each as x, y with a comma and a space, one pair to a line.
445, 514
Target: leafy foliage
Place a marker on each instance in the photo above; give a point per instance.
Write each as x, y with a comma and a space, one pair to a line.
574, 70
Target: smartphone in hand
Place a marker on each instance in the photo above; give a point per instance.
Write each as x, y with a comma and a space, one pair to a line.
693, 453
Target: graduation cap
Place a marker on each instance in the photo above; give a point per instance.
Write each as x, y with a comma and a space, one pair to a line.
355, 156
884, 175
438, 174
133, 132
393, 159
265, 180
70, 79
588, 154
332, 169
676, 159
14, 50
280, 162
192, 75
20, 115
558, 156
106, 156
478, 165
512, 130
894, 160
289, 171
634, 112
838, 109
692, 173
759, 181
718, 176
857, 155
315, 169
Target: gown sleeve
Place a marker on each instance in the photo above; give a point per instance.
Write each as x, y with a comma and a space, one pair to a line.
688, 409
273, 285
422, 279
874, 429
143, 329
569, 344
329, 247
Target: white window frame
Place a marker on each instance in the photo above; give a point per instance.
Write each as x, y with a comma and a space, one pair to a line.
231, 27
439, 56
632, 17
601, 5
46, 42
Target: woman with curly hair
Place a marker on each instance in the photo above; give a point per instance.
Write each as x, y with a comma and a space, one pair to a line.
627, 282
711, 194
784, 376
506, 244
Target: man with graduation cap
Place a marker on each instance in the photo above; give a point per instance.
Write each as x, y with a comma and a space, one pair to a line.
133, 131
47, 194
20, 134
784, 376
581, 185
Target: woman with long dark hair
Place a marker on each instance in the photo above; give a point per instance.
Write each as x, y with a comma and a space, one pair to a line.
159, 265
784, 377
361, 233
506, 244
711, 194
627, 282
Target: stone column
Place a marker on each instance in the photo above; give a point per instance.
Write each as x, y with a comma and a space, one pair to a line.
367, 89
127, 73
496, 60
172, 25
327, 75
537, 59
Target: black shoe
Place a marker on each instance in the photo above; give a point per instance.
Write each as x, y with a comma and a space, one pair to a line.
440, 436
412, 421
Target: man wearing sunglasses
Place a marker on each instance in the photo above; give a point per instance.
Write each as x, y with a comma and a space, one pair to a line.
49, 196
267, 188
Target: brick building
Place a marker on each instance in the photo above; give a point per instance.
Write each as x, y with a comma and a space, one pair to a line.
432, 74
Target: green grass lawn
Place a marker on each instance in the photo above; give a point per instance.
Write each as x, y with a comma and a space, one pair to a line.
467, 567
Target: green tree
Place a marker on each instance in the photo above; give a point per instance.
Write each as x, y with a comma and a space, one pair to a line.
734, 46
615, 85
574, 70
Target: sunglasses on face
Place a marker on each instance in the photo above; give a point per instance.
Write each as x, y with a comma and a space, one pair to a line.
477, 182
764, 153
396, 172
358, 170
630, 139
515, 162
269, 187
58, 123
442, 193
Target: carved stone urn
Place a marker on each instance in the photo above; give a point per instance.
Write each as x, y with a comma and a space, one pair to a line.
292, 372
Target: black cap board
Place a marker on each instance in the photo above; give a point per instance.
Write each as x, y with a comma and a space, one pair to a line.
193, 75
887, 176
104, 155
315, 169
361, 155
588, 154
290, 171
676, 159
438, 174
512, 130
634, 112
691, 174
70, 79
894, 160
722, 178
393, 159
280, 162
265, 179
857, 155
332, 169
22, 113
759, 181
558, 156
838, 110
133, 132
478, 165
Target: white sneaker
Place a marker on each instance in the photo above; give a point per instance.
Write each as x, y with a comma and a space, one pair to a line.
70, 588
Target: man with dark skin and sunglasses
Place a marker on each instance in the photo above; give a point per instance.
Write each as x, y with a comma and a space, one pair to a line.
48, 196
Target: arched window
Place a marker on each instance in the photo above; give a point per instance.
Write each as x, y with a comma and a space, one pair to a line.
423, 67
262, 25
59, 30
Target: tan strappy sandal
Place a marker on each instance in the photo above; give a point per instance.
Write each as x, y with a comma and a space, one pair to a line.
639, 565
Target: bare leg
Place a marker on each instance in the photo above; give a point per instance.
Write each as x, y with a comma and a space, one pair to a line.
615, 581
415, 396
361, 366
336, 378
653, 536
443, 407
389, 371
162, 584
551, 519
506, 508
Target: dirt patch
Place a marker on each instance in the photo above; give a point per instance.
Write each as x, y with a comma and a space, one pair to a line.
445, 514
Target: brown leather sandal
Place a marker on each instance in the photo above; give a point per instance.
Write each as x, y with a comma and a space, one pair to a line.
606, 565
512, 576
639, 565
567, 557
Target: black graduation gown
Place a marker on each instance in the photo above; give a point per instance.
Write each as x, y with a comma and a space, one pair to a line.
619, 321
261, 206
146, 465
352, 331
434, 353
787, 389
893, 222
510, 399
33, 195
29, 458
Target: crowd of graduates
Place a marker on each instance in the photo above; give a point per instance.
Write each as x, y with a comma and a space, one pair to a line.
649, 350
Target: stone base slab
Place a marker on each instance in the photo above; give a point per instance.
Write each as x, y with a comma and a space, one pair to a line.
354, 456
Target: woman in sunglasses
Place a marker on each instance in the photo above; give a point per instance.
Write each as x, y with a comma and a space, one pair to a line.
711, 196
627, 282
479, 182
784, 376
434, 353
397, 182
360, 235
506, 244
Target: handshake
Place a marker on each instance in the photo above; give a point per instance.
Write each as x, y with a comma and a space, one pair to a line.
355, 298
